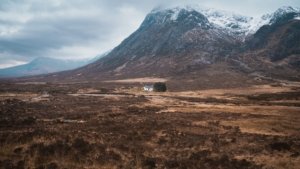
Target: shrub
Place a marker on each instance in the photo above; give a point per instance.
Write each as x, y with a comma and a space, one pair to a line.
280, 146
29, 120
82, 146
149, 163
160, 87
52, 166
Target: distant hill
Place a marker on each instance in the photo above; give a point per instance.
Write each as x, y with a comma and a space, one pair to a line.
41, 65
45, 65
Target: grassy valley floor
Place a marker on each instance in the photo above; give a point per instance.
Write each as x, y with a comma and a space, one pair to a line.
117, 125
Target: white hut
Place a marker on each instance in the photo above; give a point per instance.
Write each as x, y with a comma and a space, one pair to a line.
148, 88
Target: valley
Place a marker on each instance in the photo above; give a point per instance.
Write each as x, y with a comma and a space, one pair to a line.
117, 125
232, 99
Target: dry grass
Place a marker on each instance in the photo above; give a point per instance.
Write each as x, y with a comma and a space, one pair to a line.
86, 126
139, 80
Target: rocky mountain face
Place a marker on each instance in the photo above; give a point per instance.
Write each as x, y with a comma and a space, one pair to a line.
169, 41
205, 45
275, 48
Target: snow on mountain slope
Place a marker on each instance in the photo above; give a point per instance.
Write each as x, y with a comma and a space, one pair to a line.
234, 23
205, 44
228, 20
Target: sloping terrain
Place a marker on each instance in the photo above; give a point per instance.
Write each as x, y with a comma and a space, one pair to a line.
199, 48
171, 41
274, 50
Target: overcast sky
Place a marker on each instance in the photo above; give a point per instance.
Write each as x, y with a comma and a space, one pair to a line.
80, 29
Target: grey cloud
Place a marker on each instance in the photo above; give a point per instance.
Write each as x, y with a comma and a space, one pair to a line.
39, 35
34, 28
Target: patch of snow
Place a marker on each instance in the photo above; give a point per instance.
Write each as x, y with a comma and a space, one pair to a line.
287, 9
118, 69
175, 14
219, 18
283, 10
133, 57
257, 23
229, 21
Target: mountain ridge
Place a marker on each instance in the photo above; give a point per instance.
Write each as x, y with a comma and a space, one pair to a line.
46, 65
183, 44
41, 65
234, 21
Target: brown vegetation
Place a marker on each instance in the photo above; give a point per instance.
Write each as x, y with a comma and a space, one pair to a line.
117, 126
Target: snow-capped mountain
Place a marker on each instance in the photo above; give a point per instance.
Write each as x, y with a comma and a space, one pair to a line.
229, 21
203, 46
286, 12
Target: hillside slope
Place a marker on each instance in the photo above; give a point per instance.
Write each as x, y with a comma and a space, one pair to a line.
199, 48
